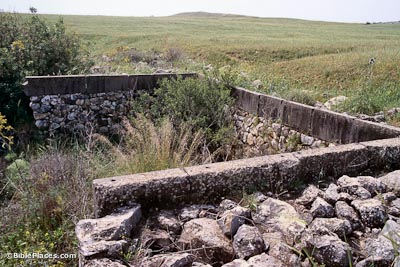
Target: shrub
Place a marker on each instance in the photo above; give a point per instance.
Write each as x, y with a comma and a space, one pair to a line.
51, 194
203, 104
30, 46
174, 54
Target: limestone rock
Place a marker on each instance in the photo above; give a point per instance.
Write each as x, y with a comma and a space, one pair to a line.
227, 204
157, 239
309, 195
331, 194
346, 212
103, 262
396, 262
326, 226
335, 101
351, 185
248, 242
328, 249
232, 219
205, 233
306, 140
394, 208
378, 248
237, 263
391, 231
362, 193
109, 248
280, 216
189, 213
199, 264
392, 181
371, 211
279, 249
111, 227
321, 208
387, 197
170, 260
265, 260
168, 221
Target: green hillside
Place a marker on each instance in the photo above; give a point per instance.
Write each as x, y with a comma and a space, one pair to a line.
325, 59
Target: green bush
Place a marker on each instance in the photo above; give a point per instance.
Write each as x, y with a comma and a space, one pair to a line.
30, 46
202, 104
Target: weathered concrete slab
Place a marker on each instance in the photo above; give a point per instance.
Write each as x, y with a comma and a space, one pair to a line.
91, 84
246, 100
298, 116
385, 153
149, 188
212, 181
270, 107
323, 124
335, 161
367, 130
331, 126
53, 85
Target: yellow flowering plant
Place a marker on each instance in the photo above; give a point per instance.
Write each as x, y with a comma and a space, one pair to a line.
6, 140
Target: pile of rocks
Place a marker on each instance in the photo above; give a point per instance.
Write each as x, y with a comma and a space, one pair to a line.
262, 136
353, 222
99, 112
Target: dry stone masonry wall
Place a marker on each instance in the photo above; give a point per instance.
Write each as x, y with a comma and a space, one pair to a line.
86, 103
264, 136
99, 112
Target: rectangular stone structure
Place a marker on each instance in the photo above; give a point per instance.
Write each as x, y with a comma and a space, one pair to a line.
208, 183
320, 123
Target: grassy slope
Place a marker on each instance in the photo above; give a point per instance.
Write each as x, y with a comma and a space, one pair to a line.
327, 58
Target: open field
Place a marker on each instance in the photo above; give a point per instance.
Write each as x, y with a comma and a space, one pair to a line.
46, 184
326, 59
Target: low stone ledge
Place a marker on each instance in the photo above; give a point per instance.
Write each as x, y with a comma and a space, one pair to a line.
212, 181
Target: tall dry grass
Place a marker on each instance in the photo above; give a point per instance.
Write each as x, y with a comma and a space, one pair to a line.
147, 147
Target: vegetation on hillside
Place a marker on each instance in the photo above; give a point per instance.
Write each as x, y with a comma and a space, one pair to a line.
45, 188
32, 46
289, 56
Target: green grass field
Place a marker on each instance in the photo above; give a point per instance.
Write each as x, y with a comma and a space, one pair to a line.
319, 58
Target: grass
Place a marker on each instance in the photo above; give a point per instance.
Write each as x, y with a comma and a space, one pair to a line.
52, 192
289, 56
300, 60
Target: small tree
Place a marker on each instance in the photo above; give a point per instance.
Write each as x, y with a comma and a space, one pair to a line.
30, 46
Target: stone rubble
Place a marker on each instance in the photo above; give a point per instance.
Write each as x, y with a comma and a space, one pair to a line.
335, 226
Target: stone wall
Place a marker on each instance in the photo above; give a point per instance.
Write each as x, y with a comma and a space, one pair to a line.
276, 173
99, 112
322, 124
86, 103
264, 136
